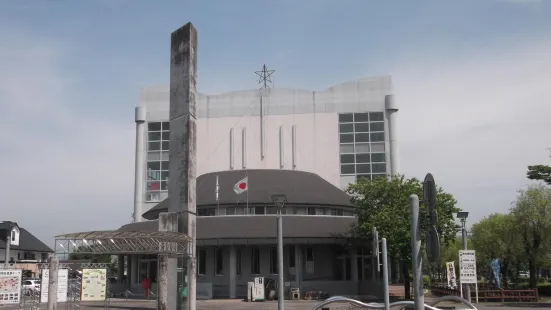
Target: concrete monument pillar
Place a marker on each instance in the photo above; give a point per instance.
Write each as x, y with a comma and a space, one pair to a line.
168, 276
182, 165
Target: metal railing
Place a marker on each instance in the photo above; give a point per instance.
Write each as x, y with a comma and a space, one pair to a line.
405, 303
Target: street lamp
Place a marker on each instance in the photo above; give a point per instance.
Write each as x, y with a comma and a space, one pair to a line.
463, 217
280, 200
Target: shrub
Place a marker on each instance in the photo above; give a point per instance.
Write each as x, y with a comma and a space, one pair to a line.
426, 281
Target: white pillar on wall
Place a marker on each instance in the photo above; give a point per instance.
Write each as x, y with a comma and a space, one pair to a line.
391, 114
233, 272
139, 169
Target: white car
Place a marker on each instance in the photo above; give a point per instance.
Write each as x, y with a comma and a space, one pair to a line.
30, 286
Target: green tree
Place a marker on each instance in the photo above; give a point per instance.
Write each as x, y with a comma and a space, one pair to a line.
383, 203
532, 214
540, 173
495, 236
83, 253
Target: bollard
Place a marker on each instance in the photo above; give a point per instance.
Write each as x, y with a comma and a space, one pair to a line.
52, 283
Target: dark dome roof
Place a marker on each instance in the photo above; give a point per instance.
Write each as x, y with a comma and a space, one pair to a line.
300, 188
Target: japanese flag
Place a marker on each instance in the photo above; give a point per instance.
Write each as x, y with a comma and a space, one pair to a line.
241, 186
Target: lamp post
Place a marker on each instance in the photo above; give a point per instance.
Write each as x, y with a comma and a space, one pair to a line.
280, 200
463, 217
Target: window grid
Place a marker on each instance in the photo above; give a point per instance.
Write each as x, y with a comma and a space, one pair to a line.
158, 135
362, 144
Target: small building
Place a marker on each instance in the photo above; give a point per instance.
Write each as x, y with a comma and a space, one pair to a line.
236, 235
26, 251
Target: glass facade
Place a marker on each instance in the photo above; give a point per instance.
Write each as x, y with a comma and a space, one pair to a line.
362, 146
157, 161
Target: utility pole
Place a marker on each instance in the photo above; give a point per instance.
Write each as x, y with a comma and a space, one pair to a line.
418, 294
280, 200
463, 216
265, 77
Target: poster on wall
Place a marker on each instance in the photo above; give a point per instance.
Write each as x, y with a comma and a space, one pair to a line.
62, 281
94, 284
10, 286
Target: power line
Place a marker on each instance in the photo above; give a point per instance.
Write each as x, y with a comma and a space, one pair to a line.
265, 78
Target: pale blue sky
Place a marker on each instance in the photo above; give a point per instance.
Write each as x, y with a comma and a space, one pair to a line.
71, 71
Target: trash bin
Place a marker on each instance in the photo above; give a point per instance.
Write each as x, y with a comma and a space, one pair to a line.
294, 293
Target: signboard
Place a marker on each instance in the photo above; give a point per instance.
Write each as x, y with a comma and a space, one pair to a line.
450, 273
94, 284
10, 286
467, 267
62, 281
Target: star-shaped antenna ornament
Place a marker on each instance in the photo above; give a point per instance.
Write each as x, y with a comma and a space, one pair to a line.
265, 77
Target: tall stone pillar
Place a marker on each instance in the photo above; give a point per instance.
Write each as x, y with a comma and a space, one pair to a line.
182, 156
139, 169
233, 272
168, 276
391, 114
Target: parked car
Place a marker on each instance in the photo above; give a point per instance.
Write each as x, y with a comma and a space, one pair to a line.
30, 287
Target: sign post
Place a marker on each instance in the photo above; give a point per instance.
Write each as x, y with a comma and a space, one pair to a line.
467, 269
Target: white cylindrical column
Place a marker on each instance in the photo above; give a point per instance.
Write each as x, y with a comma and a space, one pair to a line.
391, 113
139, 176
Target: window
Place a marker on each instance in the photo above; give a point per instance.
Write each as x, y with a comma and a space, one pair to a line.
346, 118
230, 211
292, 256
309, 259
206, 212
255, 261
271, 210
219, 261
346, 128
377, 126
238, 261
273, 261
157, 165
362, 143
378, 157
376, 117
201, 261
311, 211
347, 169
347, 159
44, 257
13, 235
259, 210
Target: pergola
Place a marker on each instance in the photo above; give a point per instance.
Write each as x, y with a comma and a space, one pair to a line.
124, 242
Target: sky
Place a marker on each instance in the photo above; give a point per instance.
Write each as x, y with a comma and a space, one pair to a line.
471, 78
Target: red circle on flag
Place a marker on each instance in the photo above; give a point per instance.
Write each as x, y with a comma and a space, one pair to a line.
242, 185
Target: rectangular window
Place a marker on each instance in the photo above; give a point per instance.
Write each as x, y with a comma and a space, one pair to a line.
238, 261
206, 212
362, 137
259, 210
347, 148
273, 261
201, 261
230, 211
219, 261
378, 157
311, 211
347, 159
377, 136
255, 261
292, 256
362, 147
156, 126
361, 127
12, 235
346, 118
361, 117
346, 128
347, 169
346, 138
378, 168
362, 158
377, 126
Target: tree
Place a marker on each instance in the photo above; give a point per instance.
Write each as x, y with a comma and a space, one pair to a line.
82, 253
532, 213
540, 172
495, 236
383, 203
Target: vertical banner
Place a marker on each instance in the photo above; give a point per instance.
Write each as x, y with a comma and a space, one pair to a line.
450, 272
62, 285
496, 269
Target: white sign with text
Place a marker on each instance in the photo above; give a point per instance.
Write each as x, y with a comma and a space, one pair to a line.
467, 267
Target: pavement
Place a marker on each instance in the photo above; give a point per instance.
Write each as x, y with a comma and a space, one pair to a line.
222, 304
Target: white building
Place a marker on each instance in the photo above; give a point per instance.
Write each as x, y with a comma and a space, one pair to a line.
341, 133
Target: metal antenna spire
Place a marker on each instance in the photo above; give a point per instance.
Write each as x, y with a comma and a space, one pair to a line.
265, 77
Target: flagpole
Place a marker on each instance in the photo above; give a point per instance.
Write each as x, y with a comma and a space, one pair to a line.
217, 198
